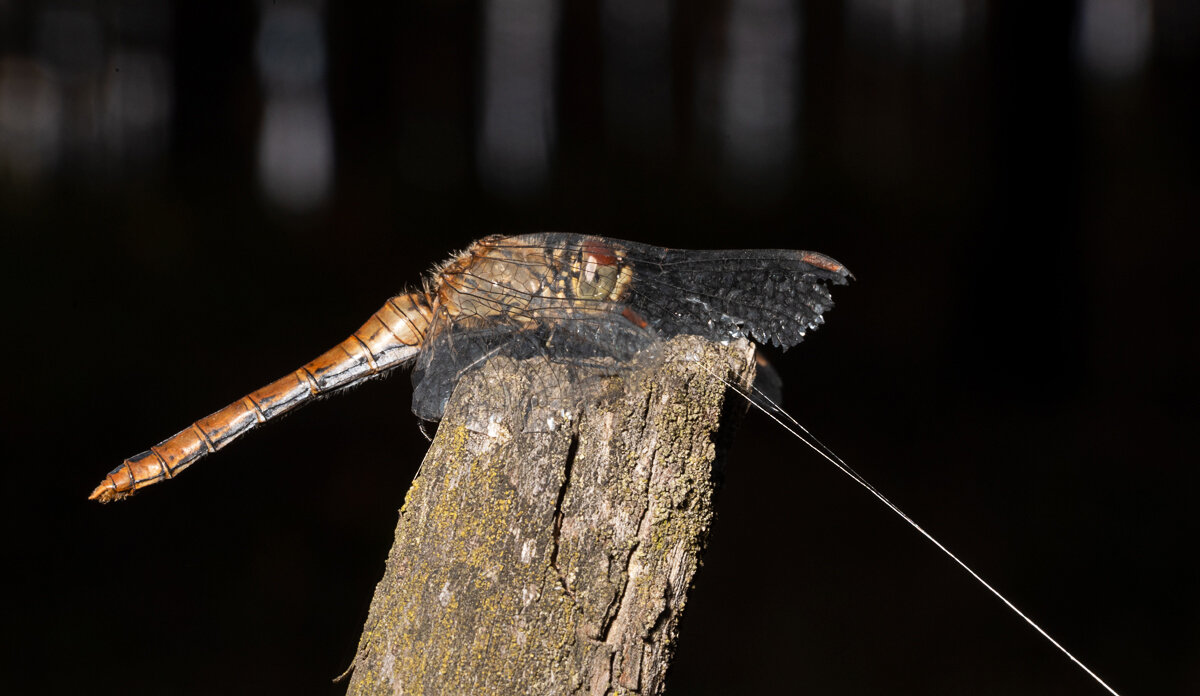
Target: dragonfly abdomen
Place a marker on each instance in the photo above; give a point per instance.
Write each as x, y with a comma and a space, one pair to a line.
390, 338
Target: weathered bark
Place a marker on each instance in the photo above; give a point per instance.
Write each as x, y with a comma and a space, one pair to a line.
541, 551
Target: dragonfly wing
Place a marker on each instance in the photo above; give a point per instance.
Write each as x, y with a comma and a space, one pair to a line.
769, 296
450, 349
589, 347
648, 294
772, 296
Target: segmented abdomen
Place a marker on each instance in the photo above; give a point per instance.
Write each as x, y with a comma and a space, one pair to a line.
389, 339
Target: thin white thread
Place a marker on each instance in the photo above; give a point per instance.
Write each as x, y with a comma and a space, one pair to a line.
832, 457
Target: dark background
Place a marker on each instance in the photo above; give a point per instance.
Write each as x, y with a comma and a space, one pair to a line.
1015, 185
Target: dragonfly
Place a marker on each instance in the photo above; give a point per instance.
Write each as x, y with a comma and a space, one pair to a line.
582, 301
589, 303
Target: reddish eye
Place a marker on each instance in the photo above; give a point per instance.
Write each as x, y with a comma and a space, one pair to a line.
602, 254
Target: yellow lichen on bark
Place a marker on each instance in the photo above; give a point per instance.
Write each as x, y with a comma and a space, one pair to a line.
552, 556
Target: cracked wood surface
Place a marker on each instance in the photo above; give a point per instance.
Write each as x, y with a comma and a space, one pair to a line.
549, 552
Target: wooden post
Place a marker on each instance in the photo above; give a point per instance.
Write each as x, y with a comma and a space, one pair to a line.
542, 551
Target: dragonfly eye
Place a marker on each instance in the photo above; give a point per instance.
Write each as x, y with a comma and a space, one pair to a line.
595, 277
